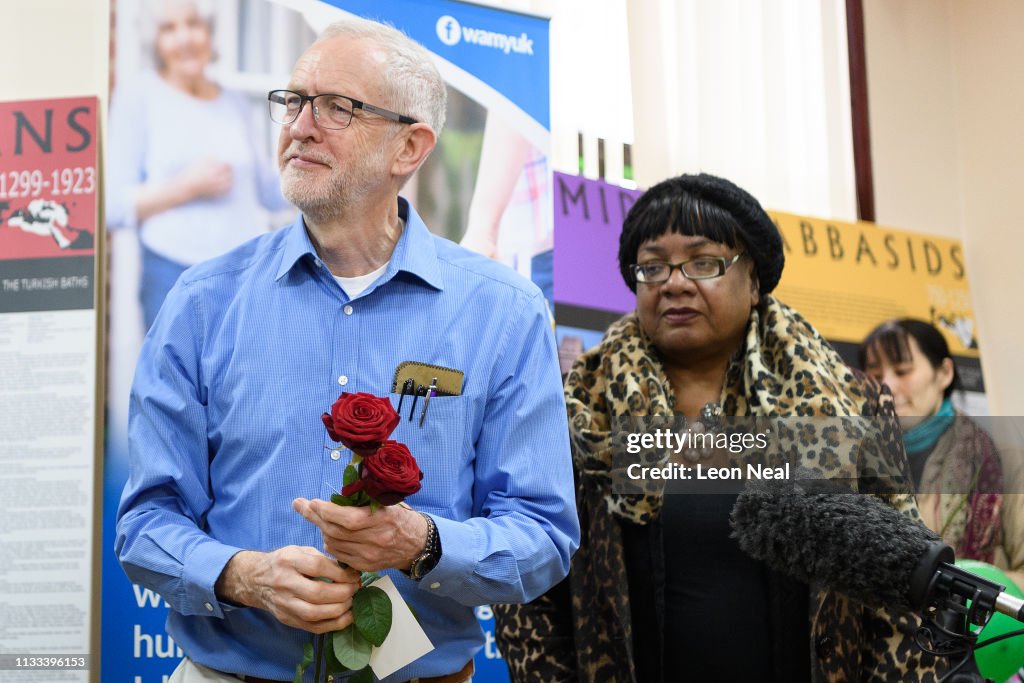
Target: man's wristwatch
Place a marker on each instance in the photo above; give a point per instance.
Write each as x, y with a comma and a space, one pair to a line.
430, 555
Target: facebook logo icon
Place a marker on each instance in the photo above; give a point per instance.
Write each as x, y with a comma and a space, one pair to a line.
448, 30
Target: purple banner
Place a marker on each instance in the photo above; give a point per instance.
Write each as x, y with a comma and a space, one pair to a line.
588, 221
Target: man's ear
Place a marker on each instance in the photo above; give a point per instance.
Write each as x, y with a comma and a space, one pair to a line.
415, 144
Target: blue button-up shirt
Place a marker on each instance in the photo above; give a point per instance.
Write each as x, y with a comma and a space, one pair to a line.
247, 352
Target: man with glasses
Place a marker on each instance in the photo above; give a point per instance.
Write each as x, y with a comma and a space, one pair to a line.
227, 445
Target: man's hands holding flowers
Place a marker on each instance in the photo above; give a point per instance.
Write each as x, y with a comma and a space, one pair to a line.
367, 527
389, 538
280, 583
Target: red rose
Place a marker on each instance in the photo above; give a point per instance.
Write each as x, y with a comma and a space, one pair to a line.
387, 476
361, 421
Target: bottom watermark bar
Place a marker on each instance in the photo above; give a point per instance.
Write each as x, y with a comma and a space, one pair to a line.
43, 662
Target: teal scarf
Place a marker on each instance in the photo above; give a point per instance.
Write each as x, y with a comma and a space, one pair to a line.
922, 437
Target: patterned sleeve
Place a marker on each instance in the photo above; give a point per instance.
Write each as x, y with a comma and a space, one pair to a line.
1009, 552
536, 638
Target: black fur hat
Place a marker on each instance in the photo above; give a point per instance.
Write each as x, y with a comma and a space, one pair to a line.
709, 206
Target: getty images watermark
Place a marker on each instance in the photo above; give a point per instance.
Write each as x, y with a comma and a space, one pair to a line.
674, 455
690, 446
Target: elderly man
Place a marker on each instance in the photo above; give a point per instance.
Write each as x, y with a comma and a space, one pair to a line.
250, 348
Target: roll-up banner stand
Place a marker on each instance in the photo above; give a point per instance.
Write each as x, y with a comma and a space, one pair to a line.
487, 186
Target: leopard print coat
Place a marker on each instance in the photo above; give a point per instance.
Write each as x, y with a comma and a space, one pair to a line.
581, 630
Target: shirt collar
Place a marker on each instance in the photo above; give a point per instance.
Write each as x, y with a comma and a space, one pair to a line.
415, 252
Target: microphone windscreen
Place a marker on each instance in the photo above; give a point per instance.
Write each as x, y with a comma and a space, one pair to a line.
850, 542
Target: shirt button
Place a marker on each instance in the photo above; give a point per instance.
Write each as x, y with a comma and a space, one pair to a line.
348, 310
435, 585
335, 454
343, 380
209, 607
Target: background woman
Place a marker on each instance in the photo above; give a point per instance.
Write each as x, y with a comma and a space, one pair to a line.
184, 165
658, 590
955, 467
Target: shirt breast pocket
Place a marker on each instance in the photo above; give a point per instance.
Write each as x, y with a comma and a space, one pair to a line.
443, 448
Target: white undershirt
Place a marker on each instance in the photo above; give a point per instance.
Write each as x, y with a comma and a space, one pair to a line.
354, 286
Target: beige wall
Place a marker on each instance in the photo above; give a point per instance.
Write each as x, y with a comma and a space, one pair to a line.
945, 91
61, 48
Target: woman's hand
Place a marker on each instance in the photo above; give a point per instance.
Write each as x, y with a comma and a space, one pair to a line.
204, 179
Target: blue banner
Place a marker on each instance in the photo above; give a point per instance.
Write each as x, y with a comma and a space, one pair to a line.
507, 51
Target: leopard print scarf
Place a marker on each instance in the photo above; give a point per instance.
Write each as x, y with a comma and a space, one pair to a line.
785, 368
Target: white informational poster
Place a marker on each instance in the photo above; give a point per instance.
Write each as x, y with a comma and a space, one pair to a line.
48, 393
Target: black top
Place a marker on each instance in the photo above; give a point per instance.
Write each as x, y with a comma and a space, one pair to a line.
702, 609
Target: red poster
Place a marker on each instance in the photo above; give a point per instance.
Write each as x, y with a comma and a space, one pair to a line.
48, 178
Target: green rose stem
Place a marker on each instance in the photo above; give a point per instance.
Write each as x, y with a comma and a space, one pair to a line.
319, 655
371, 610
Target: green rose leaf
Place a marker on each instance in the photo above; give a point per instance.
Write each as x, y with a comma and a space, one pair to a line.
371, 611
364, 676
339, 499
351, 475
366, 578
351, 648
331, 663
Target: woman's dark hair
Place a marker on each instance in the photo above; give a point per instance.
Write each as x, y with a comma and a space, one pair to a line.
706, 206
890, 340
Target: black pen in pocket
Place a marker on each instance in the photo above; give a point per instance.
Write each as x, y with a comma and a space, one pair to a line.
421, 390
407, 388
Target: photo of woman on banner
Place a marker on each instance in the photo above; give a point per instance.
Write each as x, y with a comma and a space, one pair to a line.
183, 165
659, 589
957, 471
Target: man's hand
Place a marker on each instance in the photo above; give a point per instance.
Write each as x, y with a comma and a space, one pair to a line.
390, 538
288, 584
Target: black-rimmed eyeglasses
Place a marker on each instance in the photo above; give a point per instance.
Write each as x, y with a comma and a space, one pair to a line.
700, 268
330, 111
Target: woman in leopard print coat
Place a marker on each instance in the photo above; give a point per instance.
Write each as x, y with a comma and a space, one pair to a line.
658, 591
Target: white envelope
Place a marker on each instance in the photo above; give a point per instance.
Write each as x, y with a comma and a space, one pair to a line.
406, 641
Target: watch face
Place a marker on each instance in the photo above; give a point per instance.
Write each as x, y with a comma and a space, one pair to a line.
422, 566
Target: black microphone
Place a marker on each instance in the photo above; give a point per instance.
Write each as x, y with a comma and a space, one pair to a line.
857, 545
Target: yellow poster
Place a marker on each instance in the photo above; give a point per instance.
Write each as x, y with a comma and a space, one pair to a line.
846, 278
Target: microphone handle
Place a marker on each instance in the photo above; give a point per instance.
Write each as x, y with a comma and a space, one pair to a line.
1010, 606
986, 595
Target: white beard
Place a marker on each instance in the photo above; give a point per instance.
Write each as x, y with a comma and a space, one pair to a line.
345, 188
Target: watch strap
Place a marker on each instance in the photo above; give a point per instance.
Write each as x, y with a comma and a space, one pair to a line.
428, 559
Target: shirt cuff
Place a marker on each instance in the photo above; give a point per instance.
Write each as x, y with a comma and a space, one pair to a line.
200, 573
460, 547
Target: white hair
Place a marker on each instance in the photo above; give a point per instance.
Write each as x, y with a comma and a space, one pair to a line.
151, 13
411, 81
